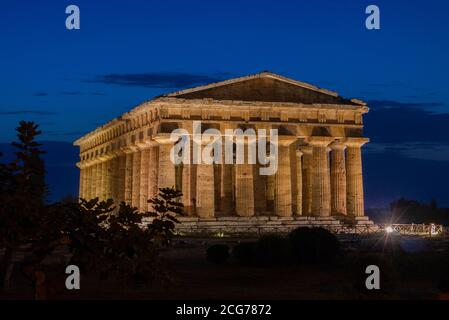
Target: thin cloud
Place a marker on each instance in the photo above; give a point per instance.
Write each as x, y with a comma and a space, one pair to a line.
71, 93
172, 80
41, 94
400, 104
27, 112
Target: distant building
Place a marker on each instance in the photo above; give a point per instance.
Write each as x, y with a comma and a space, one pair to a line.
319, 178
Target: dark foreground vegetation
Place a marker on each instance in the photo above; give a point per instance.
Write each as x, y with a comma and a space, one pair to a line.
103, 240
121, 259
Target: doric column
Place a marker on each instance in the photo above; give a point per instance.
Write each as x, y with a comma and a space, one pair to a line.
307, 166
121, 176
107, 178
135, 198
81, 179
166, 168
93, 181
205, 199
226, 177
244, 190
283, 184
321, 189
86, 188
205, 188
128, 175
270, 192
354, 177
299, 183
338, 178
260, 190
189, 186
144, 174
153, 174
99, 181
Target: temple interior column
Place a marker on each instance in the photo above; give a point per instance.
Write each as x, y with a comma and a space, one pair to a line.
270, 192
355, 197
283, 184
260, 190
299, 191
244, 190
321, 189
128, 176
338, 178
135, 198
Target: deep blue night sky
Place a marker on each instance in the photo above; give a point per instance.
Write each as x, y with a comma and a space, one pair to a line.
127, 52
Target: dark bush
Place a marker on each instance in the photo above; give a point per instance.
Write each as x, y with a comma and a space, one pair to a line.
243, 253
271, 250
217, 253
313, 245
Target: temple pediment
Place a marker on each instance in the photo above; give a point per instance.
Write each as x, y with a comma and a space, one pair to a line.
266, 87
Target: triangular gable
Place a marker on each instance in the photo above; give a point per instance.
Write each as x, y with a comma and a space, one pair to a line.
265, 86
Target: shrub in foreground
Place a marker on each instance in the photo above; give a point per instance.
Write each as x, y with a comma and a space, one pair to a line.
271, 250
313, 245
218, 253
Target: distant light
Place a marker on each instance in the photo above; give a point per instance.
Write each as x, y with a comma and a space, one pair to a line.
389, 229
433, 230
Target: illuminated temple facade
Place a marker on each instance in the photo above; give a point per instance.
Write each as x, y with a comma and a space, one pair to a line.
319, 177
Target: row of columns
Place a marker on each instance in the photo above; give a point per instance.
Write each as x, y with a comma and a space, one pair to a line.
308, 181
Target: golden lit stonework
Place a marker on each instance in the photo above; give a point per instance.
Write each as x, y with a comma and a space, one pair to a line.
319, 177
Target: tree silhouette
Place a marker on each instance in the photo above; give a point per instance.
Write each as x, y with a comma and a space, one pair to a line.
166, 207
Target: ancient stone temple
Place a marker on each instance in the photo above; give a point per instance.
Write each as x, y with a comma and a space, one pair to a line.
319, 177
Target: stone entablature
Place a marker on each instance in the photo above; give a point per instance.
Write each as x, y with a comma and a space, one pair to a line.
320, 168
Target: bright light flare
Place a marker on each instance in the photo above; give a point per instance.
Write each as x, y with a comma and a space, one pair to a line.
389, 229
